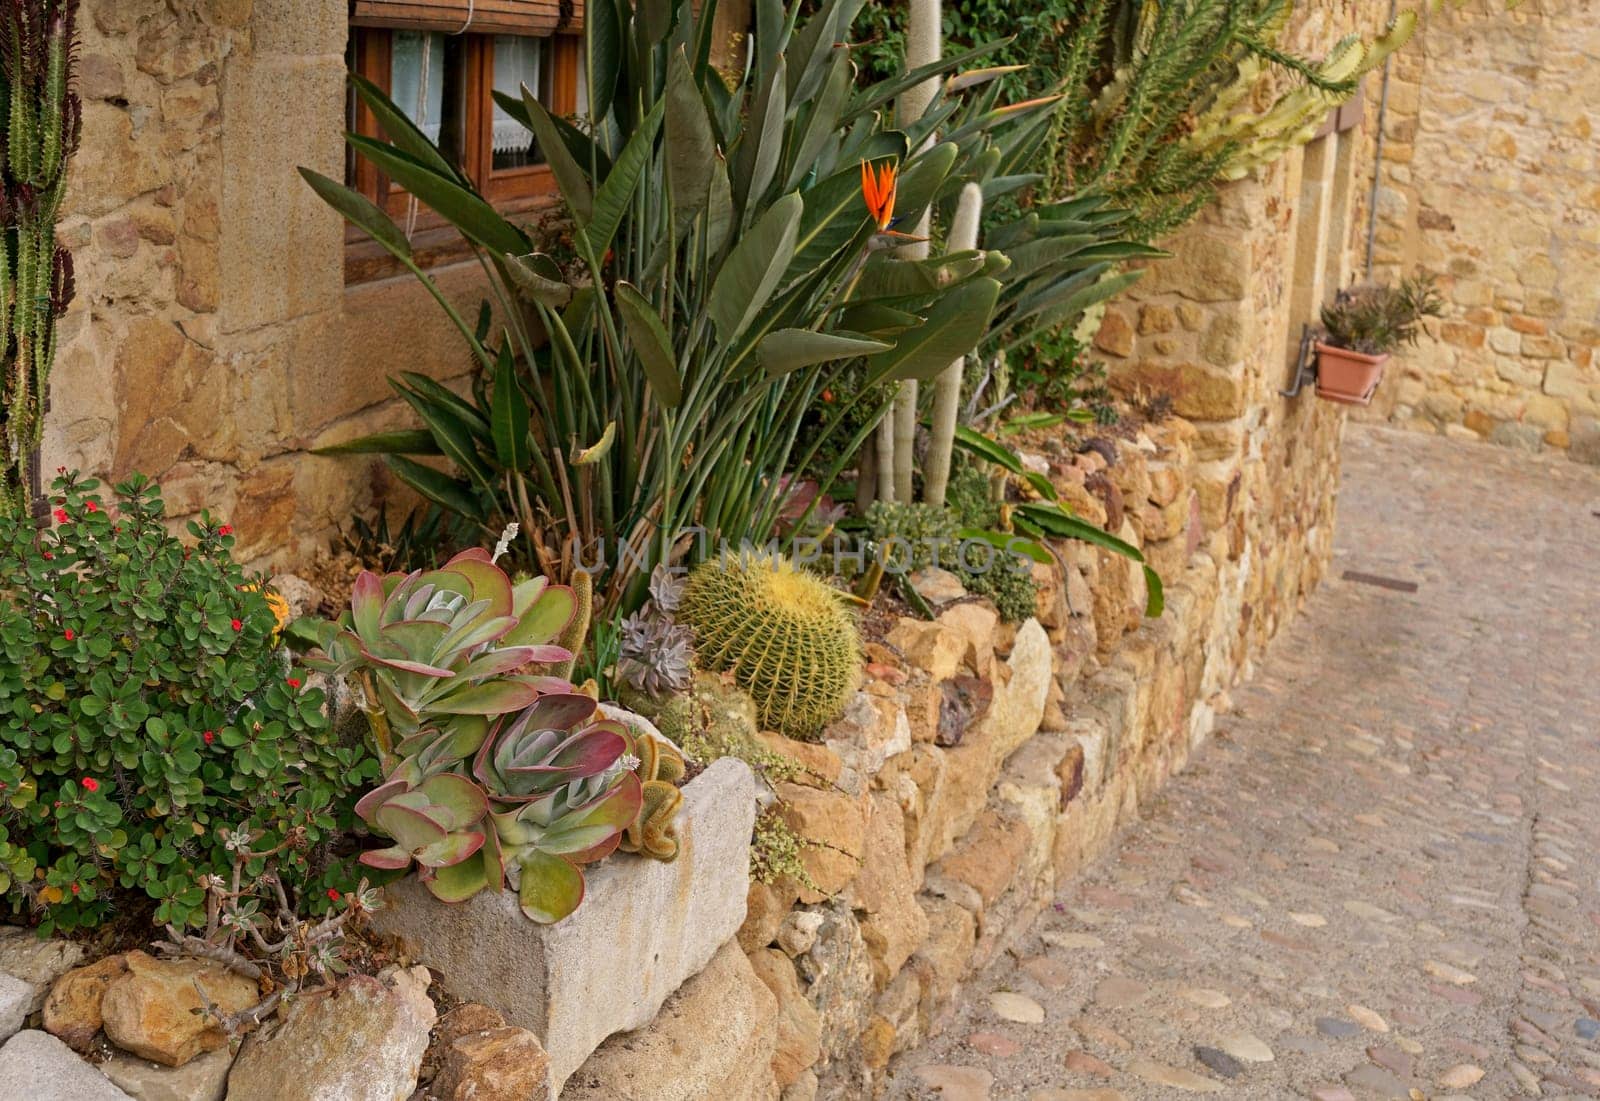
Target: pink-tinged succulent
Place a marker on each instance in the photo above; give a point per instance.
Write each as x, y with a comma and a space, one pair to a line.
561, 793
437, 651
436, 824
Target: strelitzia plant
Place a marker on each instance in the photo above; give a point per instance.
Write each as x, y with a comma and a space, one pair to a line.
436, 653
729, 270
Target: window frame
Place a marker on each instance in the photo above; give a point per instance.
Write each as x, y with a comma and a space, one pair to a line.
510, 190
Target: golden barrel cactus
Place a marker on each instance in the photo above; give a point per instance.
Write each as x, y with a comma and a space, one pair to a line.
786, 636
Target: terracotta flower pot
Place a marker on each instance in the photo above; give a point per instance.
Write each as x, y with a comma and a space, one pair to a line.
1347, 376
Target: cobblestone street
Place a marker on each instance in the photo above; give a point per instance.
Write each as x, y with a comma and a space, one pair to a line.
1380, 878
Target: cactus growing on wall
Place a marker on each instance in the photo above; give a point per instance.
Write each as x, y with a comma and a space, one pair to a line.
42, 120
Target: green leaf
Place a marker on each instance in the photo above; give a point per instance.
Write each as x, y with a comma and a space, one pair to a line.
459, 205
1011, 541
976, 443
886, 277
360, 212
508, 415
651, 343
790, 349
612, 200
754, 267
691, 149
453, 435
603, 55
761, 145
1053, 520
574, 185
436, 486
597, 450
958, 320
403, 441
538, 276
397, 126
551, 888
822, 117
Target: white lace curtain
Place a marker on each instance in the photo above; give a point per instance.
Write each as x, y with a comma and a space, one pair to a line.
517, 61
416, 79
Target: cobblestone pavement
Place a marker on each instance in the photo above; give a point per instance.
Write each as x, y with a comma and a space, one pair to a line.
1381, 877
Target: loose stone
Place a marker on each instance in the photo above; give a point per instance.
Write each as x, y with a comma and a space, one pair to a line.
1366, 1018
1336, 1027
1461, 1076
1082, 1062
1205, 998
1176, 1077
1219, 1061
1020, 1008
1242, 1045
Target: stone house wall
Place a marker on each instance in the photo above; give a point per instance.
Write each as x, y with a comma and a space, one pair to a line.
213, 341
1491, 181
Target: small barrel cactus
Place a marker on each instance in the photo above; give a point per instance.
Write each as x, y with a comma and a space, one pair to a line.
786, 635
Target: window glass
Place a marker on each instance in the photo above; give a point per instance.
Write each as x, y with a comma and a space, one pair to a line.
517, 61
417, 79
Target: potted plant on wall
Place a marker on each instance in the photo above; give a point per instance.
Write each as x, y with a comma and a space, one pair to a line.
1361, 327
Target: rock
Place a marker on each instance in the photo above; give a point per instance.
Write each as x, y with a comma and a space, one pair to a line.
976, 622
16, 1002
799, 1027
1081, 1062
885, 893
37, 1066
1450, 974
871, 730
496, 1064
72, 1009
1019, 705
1219, 1061
937, 586
955, 1083
203, 1078
714, 1038
1176, 1077
766, 909
1366, 1018
364, 1042
150, 1010
1117, 992
1460, 1076
302, 596
644, 927
840, 978
1336, 1027
837, 824
992, 1043
798, 933
1205, 998
36, 962
1242, 1045
463, 1020
935, 648
1019, 1008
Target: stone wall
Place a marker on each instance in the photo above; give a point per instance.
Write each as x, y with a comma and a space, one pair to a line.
213, 340
1490, 180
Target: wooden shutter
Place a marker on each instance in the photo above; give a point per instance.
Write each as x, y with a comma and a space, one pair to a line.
534, 17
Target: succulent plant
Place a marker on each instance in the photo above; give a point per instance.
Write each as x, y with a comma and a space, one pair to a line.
560, 792
437, 824
656, 655
435, 652
786, 636
660, 767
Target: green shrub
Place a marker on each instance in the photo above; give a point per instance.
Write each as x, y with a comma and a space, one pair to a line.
1012, 590
144, 706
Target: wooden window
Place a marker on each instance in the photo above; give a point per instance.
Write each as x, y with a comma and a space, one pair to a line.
440, 61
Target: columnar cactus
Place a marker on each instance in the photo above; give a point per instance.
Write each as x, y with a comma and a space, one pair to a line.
43, 121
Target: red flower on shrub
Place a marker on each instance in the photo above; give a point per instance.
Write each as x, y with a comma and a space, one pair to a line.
48, 557
90, 783
333, 894
294, 682
237, 625
61, 516
91, 506
209, 736
68, 634
225, 529
74, 888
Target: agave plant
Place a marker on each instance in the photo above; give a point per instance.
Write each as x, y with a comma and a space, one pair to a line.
438, 652
438, 823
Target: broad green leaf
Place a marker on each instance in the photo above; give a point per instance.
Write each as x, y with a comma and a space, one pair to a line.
761, 145
458, 882
719, 208
459, 205
404, 441
691, 149
508, 415
884, 91
754, 267
822, 117
1053, 520
790, 349
570, 178
436, 486
612, 200
360, 212
603, 56
1012, 542
452, 434
921, 181
952, 328
651, 343
835, 214
397, 126
976, 443
887, 277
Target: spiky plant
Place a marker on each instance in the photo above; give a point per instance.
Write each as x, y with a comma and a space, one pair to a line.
1376, 320
785, 634
43, 119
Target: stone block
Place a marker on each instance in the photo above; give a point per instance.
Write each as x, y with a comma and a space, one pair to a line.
39, 1067
799, 1028
643, 929
201, 1079
836, 824
16, 1002
39, 963
988, 858
714, 1038
282, 247
885, 893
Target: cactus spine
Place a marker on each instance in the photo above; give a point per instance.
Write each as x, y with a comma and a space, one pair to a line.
786, 636
947, 390
43, 121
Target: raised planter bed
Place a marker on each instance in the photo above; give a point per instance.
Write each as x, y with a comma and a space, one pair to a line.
644, 929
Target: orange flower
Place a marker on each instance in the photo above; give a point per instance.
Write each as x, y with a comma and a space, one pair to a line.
878, 190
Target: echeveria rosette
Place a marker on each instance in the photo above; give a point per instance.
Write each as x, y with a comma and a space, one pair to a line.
437, 824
